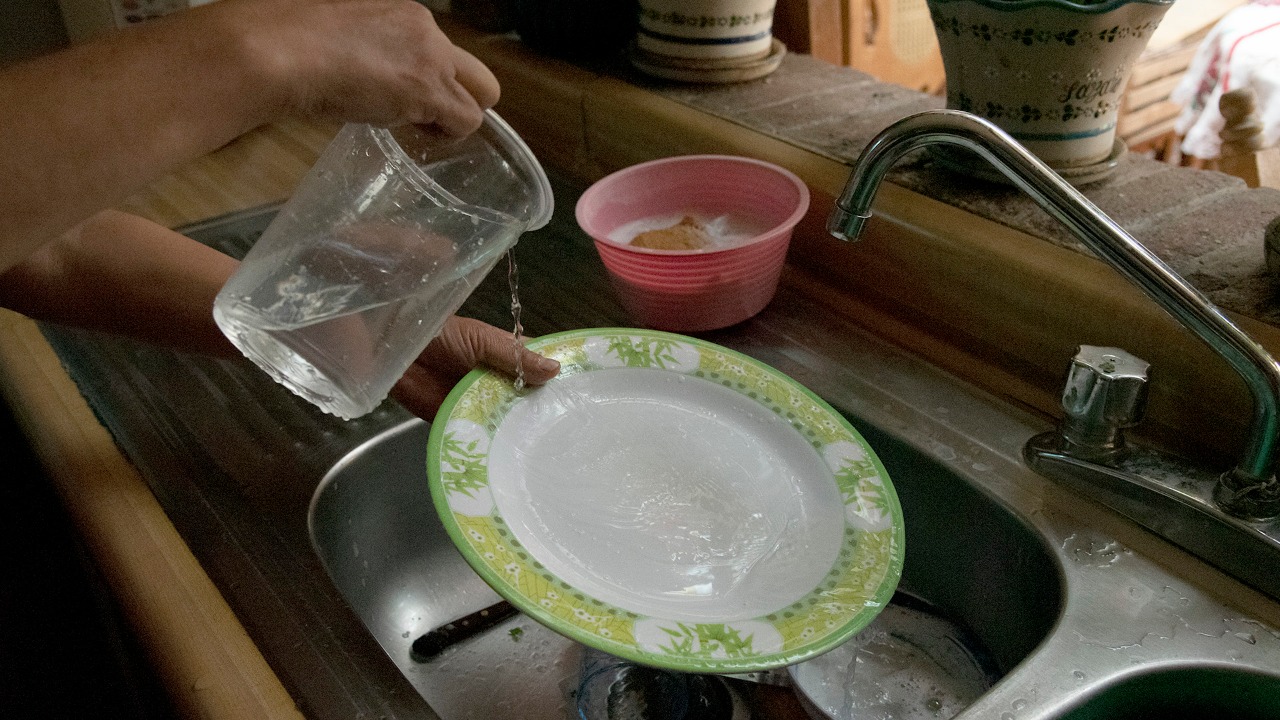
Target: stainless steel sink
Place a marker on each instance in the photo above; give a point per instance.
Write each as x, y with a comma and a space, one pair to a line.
1084, 613
1077, 621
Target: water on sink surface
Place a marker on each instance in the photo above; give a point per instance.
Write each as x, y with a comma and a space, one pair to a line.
910, 663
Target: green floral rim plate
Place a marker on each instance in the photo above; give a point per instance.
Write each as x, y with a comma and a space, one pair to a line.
848, 576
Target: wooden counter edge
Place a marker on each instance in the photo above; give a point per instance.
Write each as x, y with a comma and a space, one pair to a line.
199, 649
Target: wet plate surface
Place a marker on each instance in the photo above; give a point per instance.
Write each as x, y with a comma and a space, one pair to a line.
669, 501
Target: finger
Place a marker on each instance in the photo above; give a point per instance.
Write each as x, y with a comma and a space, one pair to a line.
498, 350
476, 78
459, 115
538, 369
471, 90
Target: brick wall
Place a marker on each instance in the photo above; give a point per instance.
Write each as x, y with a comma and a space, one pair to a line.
1207, 226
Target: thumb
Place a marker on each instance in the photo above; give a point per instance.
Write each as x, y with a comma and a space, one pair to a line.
484, 344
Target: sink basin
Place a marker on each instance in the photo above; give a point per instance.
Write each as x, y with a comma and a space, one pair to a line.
377, 533
374, 527
970, 556
1072, 621
1204, 692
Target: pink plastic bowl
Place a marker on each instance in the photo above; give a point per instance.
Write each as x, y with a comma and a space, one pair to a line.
694, 290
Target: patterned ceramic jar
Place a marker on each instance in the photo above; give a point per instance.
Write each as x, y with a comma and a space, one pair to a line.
706, 29
1050, 72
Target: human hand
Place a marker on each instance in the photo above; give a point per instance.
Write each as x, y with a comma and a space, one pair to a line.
463, 345
384, 62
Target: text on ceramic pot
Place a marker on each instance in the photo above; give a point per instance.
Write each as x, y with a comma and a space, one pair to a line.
1092, 90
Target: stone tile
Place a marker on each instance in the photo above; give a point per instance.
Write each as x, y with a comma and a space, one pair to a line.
795, 115
1218, 247
1252, 294
1130, 168
1229, 261
797, 77
994, 201
1232, 220
843, 136
1136, 203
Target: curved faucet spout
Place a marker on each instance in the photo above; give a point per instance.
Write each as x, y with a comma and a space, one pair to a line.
1250, 489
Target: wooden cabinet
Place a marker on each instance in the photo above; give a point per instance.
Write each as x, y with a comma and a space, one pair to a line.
894, 41
891, 40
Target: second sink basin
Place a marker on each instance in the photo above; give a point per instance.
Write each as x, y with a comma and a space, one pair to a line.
1198, 692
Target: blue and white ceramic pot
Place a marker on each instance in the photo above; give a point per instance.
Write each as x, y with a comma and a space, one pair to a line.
1050, 72
723, 30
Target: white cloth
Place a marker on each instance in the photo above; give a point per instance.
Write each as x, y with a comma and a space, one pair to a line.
1242, 50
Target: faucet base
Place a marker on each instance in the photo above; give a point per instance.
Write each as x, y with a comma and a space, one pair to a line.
1172, 499
1247, 497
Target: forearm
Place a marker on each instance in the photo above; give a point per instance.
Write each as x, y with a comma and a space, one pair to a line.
125, 275
122, 274
86, 127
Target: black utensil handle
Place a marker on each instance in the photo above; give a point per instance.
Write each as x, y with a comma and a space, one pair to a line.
436, 641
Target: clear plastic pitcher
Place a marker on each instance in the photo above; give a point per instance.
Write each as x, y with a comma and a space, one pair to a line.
383, 240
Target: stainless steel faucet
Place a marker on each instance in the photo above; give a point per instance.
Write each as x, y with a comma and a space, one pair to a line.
1242, 501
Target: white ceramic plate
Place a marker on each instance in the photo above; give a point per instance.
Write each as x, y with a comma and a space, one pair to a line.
669, 501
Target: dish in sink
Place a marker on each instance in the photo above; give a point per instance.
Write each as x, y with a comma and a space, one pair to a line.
670, 501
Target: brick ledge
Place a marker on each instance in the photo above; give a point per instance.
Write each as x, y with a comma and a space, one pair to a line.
1207, 226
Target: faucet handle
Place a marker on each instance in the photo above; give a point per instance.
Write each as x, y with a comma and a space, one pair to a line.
1106, 391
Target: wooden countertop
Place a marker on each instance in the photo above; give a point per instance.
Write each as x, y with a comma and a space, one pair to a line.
583, 123
195, 642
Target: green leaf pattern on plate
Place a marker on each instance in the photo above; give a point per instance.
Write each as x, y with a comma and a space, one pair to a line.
644, 352
641, 352
853, 582
462, 465
867, 501
792, 403
863, 576
709, 640
495, 544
